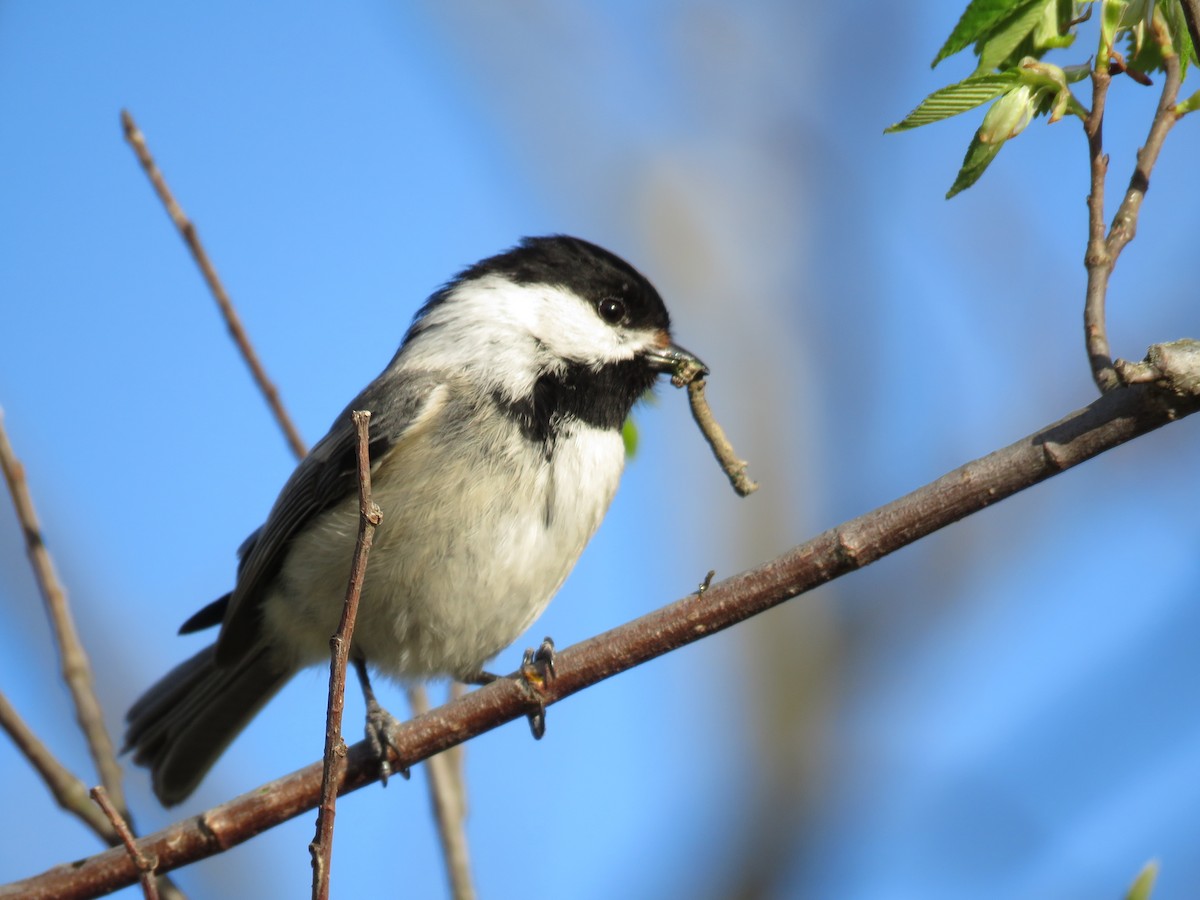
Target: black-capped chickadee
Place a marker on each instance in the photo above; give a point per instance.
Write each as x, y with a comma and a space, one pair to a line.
495, 450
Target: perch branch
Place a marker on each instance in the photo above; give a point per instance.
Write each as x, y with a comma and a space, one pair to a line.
1171, 392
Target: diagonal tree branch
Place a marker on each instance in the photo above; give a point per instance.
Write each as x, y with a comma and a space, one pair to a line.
76, 668
1168, 389
233, 321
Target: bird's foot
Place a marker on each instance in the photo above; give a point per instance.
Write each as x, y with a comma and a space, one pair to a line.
380, 725
537, 669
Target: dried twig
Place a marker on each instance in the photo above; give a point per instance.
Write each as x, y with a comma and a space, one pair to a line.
339, 652
145, 866
76, 669
692, 374
1113, 419
1102, 250
449, 806
232, 321
735, 469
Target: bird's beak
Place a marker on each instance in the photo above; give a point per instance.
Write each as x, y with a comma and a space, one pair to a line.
680, 364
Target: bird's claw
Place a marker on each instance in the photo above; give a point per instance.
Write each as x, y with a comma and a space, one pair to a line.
537, 668
380, 725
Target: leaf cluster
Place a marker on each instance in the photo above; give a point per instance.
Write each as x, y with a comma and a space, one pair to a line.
1010, 39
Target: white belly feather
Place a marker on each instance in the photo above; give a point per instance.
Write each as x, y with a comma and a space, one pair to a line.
467, 555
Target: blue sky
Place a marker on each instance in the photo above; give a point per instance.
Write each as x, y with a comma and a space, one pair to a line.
1006, 709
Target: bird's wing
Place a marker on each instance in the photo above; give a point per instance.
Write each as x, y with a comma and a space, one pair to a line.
400, 403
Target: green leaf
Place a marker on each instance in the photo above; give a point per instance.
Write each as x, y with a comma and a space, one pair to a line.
956, 98
629, 436
1180, 36
979, 17
1143, 53
995, 48
1191, 104
979, 157
1111, 13
1144, 883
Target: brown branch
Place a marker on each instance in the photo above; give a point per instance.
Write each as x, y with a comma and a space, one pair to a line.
449, 805
339, 653
145, 866
1113, 419
232, 321
76, 669
1102, 251
69, 791
1124, 224
1096, 259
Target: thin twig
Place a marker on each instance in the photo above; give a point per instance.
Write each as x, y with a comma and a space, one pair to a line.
1124, 224
76, 669
232, 321
1113, 419
145, 866
734, 468
339, 652
449, 806
1102, 251
69, 791
1096, 258
241, 339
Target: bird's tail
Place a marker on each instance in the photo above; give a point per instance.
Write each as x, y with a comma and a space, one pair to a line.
182, 724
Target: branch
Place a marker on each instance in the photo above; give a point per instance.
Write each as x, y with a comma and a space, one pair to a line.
76, 669
339, 651
1096, 258
449, 803
1170, 392
1102, 252
232, 321
1124, 224
145, 866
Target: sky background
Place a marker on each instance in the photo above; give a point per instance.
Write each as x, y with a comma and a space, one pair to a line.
1006, 709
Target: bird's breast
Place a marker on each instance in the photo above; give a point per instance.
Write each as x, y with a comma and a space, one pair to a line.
476, 537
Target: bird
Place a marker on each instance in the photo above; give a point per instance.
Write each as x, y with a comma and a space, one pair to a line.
495, 447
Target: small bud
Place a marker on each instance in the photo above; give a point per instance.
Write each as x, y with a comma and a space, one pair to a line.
1008, 116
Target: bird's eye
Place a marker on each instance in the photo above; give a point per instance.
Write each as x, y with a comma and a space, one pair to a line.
611, 309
